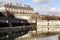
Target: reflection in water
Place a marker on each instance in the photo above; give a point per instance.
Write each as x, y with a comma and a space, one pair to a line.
49, 38
29, 37
25, 37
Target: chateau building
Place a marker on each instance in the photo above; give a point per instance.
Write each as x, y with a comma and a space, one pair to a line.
18, 11
10, 10
23, 12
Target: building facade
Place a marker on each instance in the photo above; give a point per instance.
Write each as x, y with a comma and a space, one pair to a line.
15, 11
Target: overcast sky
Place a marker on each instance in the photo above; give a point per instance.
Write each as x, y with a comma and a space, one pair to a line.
47, 7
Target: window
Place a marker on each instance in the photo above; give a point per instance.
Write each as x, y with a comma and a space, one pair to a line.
15, 10
21, 10
18, 10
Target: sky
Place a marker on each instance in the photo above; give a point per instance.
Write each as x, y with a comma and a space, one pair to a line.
46, 7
